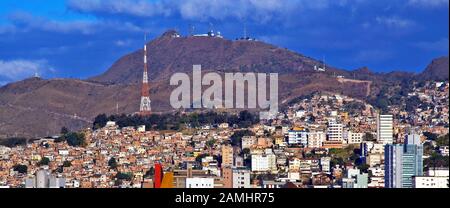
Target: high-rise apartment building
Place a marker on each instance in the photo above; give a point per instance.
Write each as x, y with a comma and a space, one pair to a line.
241, 178
335, 132
385, 129
316, 139
264, 162
227, 155
227, 175
298, 136
44, 179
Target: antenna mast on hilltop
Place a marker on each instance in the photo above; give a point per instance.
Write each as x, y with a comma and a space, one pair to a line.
211, 27
323, 62
245, 29
145, 108
191, 30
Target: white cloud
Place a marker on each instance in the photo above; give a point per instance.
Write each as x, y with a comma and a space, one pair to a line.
27, 21
7, 29
395, 22
123, 43
15, 70
438, 46
429, 3
128, 7
257, 10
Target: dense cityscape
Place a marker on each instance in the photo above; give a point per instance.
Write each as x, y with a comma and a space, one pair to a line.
324, 140
246, 94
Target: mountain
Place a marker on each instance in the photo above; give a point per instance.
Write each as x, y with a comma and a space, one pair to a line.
37, 107
41, 107
169, 54
437, 70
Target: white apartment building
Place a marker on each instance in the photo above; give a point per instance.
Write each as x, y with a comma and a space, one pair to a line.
374, 159
199, 182
430, 182
376, 182
335, 131
354, 138
300, 114
385, 129
241, 178
264, 163
434, 178
438, 172
248, 142
297, 137
444, 151
325, 164
316, 139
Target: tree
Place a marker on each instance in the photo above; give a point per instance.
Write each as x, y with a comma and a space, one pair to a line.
382, 103
44, 161
100, 121
312, 119
150, 173
428, 148
363, 167
430, 136
236, 138
112, 163
443, 140
13, 142
124, 176
246, 119
200, 157
436, 160
337, 161
23, 169
64, 130
75, 139
246, 151
412, 103
211, 143
67, 164
369, 137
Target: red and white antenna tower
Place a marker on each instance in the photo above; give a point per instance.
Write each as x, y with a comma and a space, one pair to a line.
145, 108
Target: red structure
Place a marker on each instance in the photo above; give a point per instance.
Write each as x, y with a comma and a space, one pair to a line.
145, 108
158, 177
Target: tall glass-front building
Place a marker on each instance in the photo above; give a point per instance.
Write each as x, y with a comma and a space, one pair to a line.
402, 162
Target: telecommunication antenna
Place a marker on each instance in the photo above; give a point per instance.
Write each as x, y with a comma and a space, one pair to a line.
190, 30
211, 26
245, 29
145, 108
323, 62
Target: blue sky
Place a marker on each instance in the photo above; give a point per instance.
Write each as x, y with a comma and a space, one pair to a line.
82, 38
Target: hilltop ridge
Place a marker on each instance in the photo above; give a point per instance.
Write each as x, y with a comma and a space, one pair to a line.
38, 107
